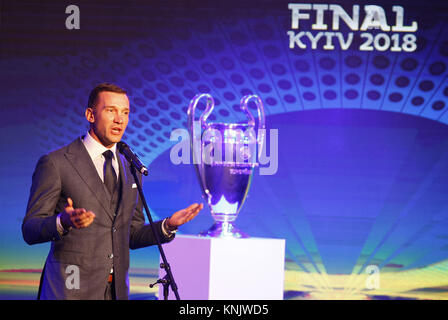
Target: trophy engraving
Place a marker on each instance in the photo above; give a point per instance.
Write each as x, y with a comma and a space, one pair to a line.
224, 157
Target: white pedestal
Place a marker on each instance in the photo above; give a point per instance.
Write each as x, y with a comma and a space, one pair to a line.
226, 269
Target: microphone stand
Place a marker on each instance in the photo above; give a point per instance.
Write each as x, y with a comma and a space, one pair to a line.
168, 279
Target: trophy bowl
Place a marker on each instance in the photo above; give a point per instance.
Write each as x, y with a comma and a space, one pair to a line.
224, 157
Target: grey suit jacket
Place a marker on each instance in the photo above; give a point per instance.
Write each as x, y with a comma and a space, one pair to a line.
79, 262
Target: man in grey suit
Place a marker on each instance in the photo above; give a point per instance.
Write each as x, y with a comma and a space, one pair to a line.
84, 200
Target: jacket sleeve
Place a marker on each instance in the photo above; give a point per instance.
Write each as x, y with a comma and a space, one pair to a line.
39, 224
141, 234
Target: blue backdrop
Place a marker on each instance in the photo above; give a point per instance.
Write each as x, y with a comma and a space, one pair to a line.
362, 163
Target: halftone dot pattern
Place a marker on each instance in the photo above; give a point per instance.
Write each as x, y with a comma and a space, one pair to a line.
352, 69
434, 81
236, 56
327, 66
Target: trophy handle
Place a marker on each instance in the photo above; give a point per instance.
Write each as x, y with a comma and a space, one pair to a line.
192, 129
192, 108
195, 132
261, 118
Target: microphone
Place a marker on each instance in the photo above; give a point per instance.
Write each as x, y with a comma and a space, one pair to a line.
132, 157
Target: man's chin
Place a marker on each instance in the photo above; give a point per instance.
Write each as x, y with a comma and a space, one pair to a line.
111, 141
114, 141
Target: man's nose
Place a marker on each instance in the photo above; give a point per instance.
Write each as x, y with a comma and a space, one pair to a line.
118, 119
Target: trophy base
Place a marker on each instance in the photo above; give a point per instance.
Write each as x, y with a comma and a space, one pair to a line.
223, 230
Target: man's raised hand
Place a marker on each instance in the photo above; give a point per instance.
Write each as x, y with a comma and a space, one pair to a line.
76, 218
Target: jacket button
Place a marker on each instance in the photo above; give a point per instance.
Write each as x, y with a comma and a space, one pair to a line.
114, 229
111, 256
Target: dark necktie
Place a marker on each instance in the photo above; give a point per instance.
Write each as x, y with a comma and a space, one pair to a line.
110, 177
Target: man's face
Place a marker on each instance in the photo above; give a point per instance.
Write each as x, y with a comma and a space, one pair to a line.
109, 117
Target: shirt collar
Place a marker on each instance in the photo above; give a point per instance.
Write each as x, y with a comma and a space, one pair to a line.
96, 149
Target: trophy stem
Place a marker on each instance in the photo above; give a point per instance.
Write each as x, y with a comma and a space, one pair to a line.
221, 229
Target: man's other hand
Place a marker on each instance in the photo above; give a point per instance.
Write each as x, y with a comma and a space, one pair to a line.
183, 216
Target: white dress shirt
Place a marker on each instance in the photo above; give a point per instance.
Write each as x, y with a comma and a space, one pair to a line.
96, 150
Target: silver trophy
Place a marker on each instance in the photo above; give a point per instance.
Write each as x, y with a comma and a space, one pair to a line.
224, 157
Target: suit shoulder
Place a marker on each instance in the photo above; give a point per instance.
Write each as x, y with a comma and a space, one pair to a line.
63, 150
56, 155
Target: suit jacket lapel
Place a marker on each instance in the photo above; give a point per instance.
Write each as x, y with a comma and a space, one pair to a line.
79, 157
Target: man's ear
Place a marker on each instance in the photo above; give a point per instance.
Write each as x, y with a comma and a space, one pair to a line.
90, 115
